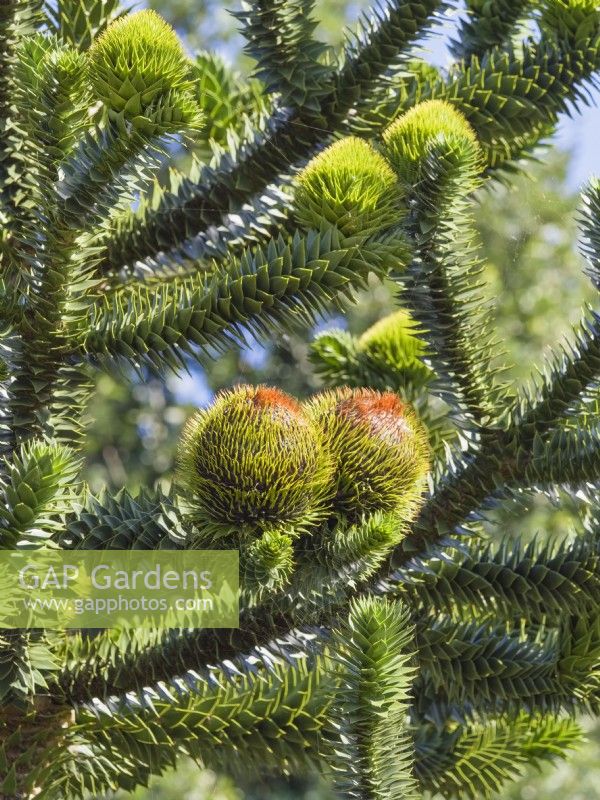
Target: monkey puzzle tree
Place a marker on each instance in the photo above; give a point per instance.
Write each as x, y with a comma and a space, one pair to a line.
382, 640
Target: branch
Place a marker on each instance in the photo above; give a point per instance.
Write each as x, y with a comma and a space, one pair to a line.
373, 757
288, 58
442, 285
474, 666
477, 760
536, 581
79, 22
281, 284
511, 98
246, 718
487, 25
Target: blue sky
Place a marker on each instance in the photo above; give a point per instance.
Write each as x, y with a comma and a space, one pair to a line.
579, 136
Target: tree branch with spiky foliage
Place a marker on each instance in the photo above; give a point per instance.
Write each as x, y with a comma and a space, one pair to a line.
381, 641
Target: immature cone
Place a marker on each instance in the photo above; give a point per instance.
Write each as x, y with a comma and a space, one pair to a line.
255, 460
381, 450
392, 344
408, 140
349, 185
139, 70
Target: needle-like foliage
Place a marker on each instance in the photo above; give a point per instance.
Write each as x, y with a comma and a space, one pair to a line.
382, 641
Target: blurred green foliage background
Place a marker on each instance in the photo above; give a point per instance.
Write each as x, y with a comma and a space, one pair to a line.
536, 283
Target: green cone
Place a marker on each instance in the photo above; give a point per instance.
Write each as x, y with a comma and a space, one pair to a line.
380, 449
349, 185
409, 138
254, 460
391, 343
139, 70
